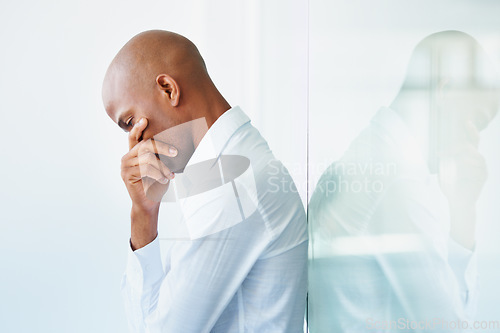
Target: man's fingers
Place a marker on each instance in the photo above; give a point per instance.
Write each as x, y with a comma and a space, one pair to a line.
153, 146
150, 171
159, 147
147, 158
136, 132
151, 158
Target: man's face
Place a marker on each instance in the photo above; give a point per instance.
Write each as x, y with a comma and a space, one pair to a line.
462, 169
126, 105
166, 123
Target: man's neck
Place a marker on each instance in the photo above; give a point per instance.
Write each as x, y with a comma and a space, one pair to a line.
210, 107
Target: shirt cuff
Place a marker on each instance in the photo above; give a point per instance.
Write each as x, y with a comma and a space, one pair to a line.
463, 262
144, 265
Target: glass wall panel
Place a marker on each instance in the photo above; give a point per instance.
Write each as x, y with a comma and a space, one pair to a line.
404, 170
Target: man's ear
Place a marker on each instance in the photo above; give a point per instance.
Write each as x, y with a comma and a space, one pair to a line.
168, 85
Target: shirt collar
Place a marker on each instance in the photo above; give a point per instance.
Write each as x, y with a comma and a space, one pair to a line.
217, 136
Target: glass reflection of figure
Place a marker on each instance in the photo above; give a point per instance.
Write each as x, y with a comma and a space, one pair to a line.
392, 222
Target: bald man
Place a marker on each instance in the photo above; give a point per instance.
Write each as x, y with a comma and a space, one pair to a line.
243, 265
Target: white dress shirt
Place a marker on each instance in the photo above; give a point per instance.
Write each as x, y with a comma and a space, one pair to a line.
381, 252
243, 266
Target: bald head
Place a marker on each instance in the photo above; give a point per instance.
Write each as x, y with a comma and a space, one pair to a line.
450, 73
156, 52
451, 56
151, 53
160, 75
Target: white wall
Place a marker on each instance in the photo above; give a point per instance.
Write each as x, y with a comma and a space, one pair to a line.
64, 210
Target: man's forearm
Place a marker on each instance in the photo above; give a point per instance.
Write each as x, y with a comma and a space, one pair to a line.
144, 226
463, 224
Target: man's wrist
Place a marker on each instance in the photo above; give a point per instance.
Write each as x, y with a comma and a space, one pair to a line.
144, 226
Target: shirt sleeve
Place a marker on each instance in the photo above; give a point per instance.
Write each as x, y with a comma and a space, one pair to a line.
438, 273
201, 278
141, 283
463, 263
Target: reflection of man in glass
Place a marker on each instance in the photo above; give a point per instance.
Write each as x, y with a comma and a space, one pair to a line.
393, 221
243, 265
